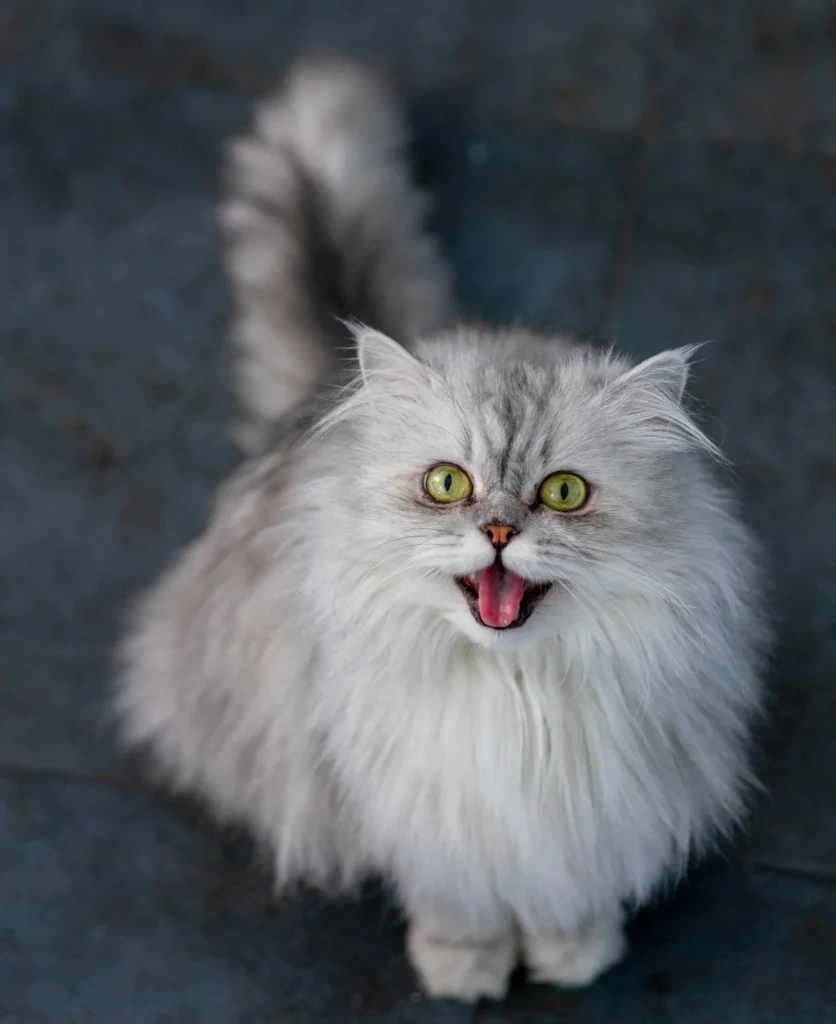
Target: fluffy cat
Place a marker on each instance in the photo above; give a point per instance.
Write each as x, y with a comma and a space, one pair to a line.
476, 615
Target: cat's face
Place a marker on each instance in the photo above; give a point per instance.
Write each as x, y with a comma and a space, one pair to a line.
507, 492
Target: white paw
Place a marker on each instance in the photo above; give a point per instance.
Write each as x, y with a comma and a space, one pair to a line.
575, 960
464, 970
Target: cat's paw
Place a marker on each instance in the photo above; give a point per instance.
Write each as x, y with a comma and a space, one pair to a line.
574, 960
463, 970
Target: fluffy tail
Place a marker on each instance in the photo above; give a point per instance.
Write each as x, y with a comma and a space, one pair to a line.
322, 223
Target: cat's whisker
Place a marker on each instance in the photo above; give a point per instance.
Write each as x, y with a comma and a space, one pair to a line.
639, 577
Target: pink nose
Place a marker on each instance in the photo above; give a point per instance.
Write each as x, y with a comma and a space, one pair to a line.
499, 535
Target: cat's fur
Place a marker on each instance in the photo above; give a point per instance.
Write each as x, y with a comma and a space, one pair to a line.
310, 668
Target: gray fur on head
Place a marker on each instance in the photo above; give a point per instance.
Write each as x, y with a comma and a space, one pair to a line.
311, 666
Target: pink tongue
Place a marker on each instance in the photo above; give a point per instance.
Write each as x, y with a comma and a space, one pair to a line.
500, 594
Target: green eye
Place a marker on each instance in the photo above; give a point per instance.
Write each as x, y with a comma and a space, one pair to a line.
564, 492
447, 483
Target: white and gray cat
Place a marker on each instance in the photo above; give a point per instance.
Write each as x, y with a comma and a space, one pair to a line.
476, 615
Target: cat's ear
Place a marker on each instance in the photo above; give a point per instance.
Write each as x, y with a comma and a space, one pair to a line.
649, 400
381, 359
665, 374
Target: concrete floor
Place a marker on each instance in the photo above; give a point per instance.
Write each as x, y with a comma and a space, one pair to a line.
654, 173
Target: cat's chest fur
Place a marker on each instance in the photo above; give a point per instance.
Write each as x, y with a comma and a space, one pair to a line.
520, 769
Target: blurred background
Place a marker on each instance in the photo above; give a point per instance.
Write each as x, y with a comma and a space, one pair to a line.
656, 173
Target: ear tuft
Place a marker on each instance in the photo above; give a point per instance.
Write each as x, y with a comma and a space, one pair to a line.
650, 398
666, 373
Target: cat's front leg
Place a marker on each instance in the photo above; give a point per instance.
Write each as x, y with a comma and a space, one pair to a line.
575, 960
456, 963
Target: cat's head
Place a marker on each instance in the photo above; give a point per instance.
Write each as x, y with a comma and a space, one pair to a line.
507, 481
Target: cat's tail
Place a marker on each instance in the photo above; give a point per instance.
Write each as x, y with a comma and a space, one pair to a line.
322, 223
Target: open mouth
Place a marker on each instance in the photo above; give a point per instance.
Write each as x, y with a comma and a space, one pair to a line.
498, 598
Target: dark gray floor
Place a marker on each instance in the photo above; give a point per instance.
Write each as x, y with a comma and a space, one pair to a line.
654, 173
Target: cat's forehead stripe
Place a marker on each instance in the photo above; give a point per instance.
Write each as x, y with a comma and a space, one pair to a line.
510, 429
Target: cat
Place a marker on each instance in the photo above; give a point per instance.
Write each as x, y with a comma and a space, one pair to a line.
477, 614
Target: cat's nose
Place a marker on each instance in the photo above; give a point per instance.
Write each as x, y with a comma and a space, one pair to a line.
498, 535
